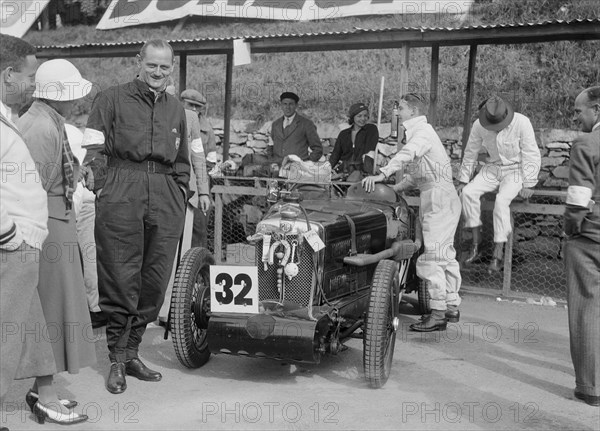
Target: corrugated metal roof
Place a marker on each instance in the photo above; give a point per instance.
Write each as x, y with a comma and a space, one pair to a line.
356, 31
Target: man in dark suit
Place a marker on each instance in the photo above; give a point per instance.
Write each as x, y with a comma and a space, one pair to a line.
293, 133
582, 260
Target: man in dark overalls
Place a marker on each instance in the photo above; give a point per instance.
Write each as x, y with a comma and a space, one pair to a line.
138, 154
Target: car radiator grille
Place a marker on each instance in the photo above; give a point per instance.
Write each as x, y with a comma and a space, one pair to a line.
299, 288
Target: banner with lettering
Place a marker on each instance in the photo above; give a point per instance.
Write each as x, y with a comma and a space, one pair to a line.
125, 13
17, 16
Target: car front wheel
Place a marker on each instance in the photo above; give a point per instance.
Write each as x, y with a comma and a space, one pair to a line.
381, 324
190, 303
423, 297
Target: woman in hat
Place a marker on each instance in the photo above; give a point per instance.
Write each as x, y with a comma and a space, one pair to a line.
355, 142
58, 85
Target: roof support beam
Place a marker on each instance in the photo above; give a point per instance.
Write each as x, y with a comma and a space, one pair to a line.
433, 86
469, 98
182, 72
228, 97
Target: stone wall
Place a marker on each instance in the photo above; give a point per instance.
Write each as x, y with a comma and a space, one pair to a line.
246, 137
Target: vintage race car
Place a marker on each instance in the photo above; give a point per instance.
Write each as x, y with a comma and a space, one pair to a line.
324, 271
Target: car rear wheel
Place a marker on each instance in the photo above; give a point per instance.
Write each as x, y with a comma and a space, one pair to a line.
190, 303
423, 297
380, 332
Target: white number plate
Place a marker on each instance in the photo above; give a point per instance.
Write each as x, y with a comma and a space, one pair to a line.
234, 289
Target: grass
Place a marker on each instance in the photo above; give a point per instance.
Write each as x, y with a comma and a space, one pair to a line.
540, 79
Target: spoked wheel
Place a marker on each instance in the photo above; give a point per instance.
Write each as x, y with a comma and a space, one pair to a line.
381, 324
423, 297
190, 304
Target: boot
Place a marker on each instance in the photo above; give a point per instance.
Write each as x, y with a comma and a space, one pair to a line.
474, 252
436, 321
453, 314
497, 262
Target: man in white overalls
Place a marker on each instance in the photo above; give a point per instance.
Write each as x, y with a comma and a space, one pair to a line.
512, 169
427, 167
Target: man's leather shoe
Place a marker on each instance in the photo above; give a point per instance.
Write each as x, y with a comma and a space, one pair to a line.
116, 383
474, 255
136, 368
436, 321
452, 314
592, 400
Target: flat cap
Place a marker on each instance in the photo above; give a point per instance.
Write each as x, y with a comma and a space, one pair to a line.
193, 96
289, 95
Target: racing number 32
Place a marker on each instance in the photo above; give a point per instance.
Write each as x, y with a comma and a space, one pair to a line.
226, 281
234, 288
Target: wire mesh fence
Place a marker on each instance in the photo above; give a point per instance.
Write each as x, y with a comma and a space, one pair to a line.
533, 261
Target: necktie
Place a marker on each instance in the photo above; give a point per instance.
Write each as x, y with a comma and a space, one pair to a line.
402, 134
286, 122
68, 167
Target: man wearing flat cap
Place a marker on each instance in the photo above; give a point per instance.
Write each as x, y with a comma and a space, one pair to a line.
512, 169
195, 105
195, 101
293, 133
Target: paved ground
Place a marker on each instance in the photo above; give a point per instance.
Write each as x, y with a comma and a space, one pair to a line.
504, 366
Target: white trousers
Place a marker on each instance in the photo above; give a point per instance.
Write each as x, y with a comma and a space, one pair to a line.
508, 181
439, 214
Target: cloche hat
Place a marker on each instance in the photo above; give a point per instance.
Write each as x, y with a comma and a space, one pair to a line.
356, 109
60, 80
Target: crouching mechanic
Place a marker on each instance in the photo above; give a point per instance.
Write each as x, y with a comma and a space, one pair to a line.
440, 208
141, 198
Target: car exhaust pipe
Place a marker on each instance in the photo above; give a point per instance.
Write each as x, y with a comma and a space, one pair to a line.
399, 250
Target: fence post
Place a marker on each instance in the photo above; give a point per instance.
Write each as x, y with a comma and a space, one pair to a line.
508, 252
218, 228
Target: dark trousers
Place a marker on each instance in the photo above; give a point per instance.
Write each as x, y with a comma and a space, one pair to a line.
582, 262
139, 220
200, 229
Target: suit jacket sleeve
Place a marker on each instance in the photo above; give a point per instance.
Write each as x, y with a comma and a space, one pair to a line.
582, 183
314, 142
45, 147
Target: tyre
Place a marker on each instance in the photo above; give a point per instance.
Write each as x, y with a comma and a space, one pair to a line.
423, 297
379, 334
190, 303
